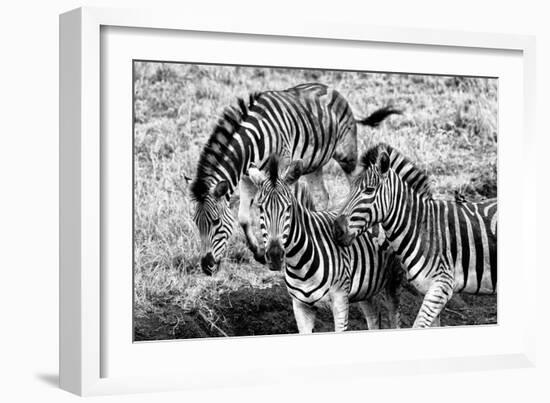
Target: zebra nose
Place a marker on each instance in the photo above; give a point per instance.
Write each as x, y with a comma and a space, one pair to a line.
340, 229
207, 263
275, 256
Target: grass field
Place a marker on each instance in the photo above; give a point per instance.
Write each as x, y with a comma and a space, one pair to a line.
449, 126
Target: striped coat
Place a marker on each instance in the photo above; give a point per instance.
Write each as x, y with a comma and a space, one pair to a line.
317, 270
310, 122
445, 246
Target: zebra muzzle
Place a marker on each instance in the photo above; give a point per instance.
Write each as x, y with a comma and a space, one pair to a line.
275, 257
208, 263
341, 232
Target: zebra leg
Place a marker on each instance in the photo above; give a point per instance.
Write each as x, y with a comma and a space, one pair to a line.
304, 315
392, 291
247, 191
317, 185
437, 321
340, 311
439, 293
393, 310
371, 312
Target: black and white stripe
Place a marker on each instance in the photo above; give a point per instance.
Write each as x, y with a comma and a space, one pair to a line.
445, 246
309, 122
316, 268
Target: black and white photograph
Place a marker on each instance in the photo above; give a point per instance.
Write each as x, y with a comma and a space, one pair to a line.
277, 201
280, 202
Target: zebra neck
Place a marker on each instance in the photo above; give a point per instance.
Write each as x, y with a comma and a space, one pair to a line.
296, 225
299, 240
247, 147
409, 223
308, 230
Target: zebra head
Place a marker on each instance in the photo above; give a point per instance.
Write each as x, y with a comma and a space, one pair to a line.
366, 202
275, 199
215, 222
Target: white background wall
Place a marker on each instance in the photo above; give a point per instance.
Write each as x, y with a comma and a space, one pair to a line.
29, 188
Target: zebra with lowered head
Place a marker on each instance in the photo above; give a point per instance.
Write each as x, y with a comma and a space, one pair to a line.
309, 122
445, 246
317, 270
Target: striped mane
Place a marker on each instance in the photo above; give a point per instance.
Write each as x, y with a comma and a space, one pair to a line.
301, 191
216, 146
403, 166
304, 196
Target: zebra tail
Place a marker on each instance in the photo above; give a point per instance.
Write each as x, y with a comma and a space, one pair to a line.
375, 118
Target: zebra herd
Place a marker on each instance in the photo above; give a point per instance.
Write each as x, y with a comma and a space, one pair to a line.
264, 146
316, 267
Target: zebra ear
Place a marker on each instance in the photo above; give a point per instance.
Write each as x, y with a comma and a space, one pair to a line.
294, 171
221, 189
256, 176
384, 162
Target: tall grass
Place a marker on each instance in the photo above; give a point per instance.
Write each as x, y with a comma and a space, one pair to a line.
449, 127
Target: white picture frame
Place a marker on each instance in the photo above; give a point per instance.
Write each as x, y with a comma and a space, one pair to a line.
83, 173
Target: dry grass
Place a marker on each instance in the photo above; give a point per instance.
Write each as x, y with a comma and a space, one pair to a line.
449, 127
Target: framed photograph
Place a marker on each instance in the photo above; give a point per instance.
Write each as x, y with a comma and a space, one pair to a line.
227, 187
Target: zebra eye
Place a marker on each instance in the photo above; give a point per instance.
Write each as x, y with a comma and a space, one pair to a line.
369, 189
216, 221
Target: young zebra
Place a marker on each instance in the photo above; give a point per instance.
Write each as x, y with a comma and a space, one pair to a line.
309, 122
316, 269
445, 246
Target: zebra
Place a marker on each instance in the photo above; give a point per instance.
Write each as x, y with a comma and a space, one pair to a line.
310, 122
445, 246
318, 271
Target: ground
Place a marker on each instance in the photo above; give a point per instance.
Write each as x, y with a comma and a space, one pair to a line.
249, 312
449, 127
